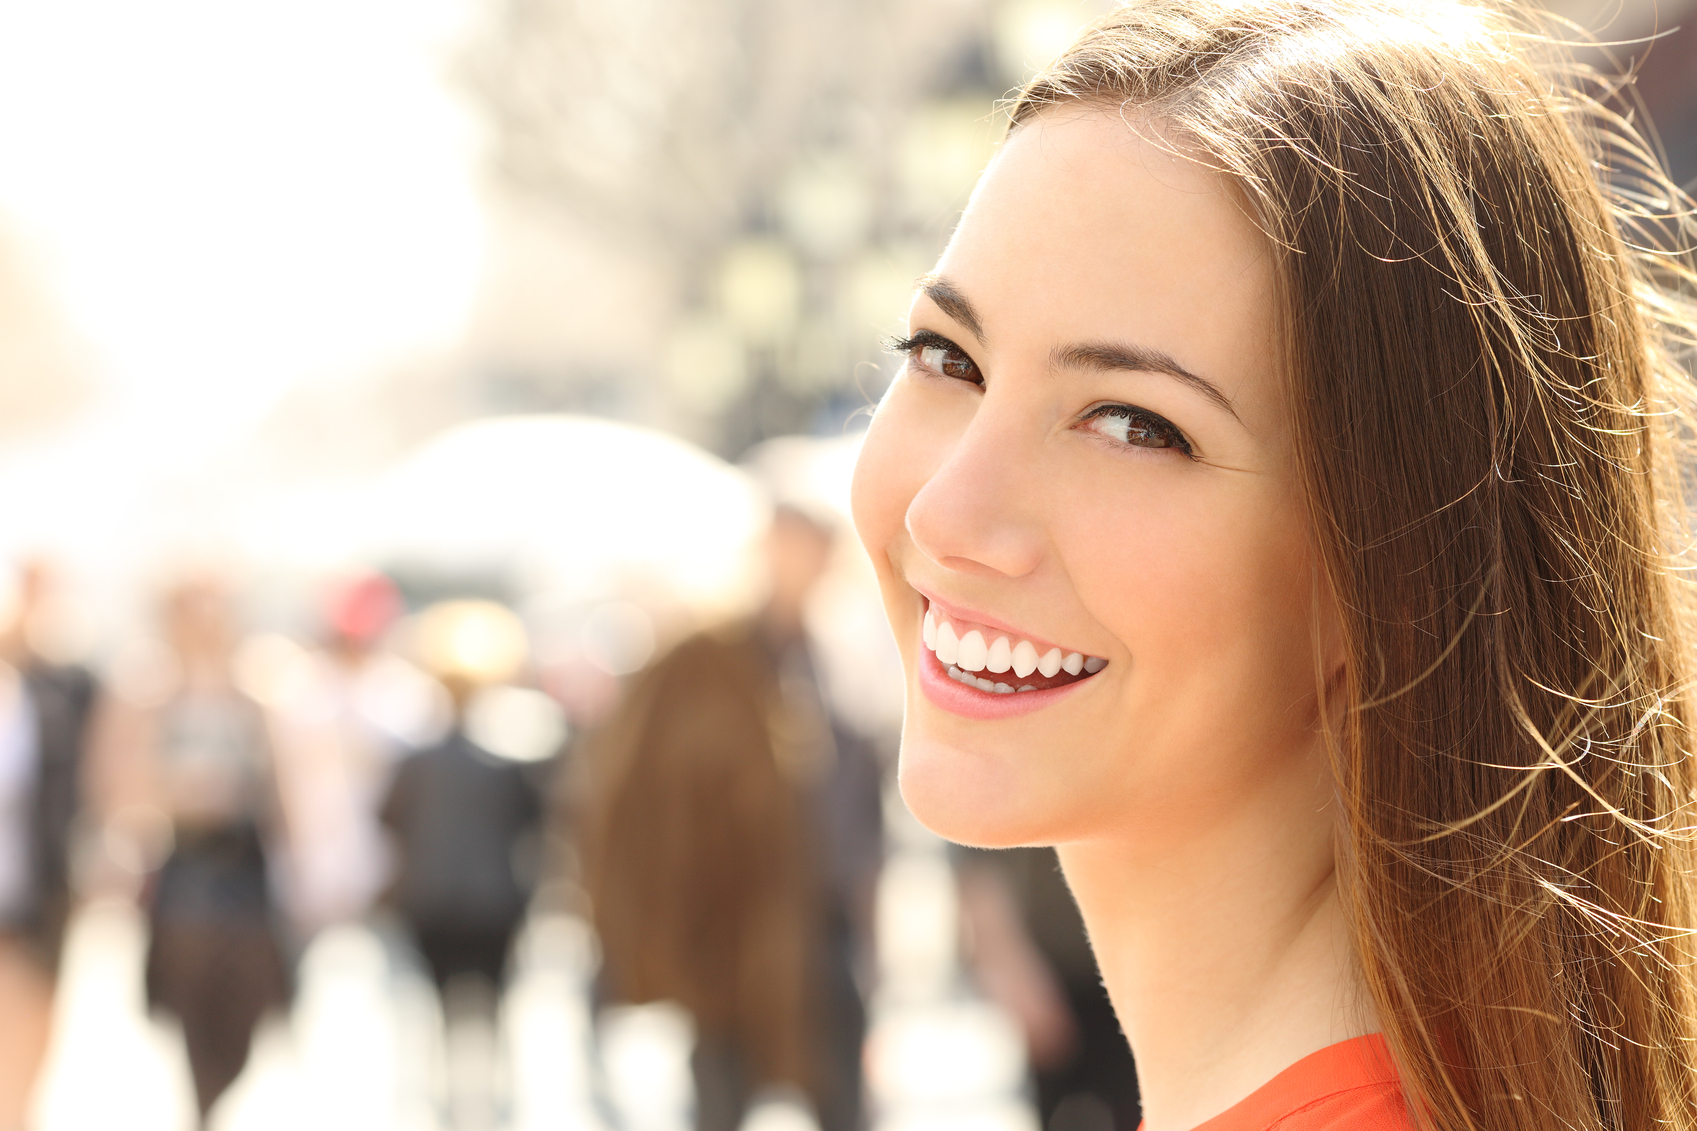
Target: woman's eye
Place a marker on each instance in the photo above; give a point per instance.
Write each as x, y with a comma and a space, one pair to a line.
950, 363
1136, 427
938, 355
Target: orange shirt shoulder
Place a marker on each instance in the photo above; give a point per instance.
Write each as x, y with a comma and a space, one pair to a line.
1349, 1086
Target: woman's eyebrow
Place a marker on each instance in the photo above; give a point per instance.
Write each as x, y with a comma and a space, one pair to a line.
956, 305
1087, 355
1143, 359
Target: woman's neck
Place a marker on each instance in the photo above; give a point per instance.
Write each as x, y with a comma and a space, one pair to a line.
1227, 956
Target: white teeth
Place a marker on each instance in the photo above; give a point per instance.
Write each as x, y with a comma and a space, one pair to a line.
948, 648
972, 652
985, 685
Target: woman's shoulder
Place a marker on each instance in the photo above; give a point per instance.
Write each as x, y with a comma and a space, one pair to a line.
1349, 1086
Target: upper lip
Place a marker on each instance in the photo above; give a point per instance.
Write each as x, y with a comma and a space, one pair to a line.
956, 612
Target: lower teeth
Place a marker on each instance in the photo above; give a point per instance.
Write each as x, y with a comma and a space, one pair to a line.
983, 684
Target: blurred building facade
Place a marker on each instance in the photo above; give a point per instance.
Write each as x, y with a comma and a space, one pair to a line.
704, 217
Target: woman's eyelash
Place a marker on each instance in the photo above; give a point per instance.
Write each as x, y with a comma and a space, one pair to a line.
917, 339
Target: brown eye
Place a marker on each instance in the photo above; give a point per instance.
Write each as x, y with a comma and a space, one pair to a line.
1137, 428
948, 361
934, 353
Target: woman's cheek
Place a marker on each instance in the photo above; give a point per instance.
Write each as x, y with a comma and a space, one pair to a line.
1170, 568
879, 492
896, 459
869, 491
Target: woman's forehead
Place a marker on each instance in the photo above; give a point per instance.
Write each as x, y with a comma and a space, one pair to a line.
1081, 230
1086, 191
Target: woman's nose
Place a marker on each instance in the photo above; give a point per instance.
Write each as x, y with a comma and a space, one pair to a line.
981, 513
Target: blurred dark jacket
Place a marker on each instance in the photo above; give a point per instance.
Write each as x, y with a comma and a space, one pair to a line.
63, 699
460, 816
704, 876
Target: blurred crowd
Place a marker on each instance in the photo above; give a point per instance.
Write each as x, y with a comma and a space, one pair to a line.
707, 794
249, 792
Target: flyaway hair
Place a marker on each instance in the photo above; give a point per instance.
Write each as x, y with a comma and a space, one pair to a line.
1485, 297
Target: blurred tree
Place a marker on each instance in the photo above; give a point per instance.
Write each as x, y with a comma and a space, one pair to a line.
792, 162
678, 122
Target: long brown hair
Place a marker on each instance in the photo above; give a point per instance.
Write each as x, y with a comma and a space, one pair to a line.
1485, 383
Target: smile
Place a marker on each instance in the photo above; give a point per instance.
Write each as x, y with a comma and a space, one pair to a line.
965, 650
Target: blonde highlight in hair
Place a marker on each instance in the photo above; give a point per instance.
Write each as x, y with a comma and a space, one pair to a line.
1485, 346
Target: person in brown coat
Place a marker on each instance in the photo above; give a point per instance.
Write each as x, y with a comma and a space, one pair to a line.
708, 854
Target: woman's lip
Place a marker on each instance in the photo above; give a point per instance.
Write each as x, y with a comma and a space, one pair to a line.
960, 613
969, 702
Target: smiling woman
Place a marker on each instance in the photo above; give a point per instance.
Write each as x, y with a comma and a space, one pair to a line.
1277, 513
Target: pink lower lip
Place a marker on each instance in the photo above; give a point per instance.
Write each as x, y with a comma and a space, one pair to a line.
969, 702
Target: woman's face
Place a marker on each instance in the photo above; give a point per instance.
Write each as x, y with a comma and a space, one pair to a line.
1087, 456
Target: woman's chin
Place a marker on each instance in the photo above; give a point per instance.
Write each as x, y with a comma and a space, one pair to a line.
969, 797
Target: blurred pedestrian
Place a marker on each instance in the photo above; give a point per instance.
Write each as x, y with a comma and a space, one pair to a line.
342, 726
462, 819
460, 815
213, 960
44, 714
731, 850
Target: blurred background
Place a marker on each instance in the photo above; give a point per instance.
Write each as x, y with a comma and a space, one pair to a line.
439, 687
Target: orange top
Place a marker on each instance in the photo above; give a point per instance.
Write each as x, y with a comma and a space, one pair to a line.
1349, 1086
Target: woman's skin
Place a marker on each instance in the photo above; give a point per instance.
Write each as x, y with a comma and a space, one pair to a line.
1185, 784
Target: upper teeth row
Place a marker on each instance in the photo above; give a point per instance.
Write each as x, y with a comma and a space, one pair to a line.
971, 653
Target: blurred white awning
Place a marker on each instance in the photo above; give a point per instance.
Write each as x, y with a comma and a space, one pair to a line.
567, 504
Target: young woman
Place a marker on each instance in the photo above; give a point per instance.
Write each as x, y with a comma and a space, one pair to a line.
1279, 513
